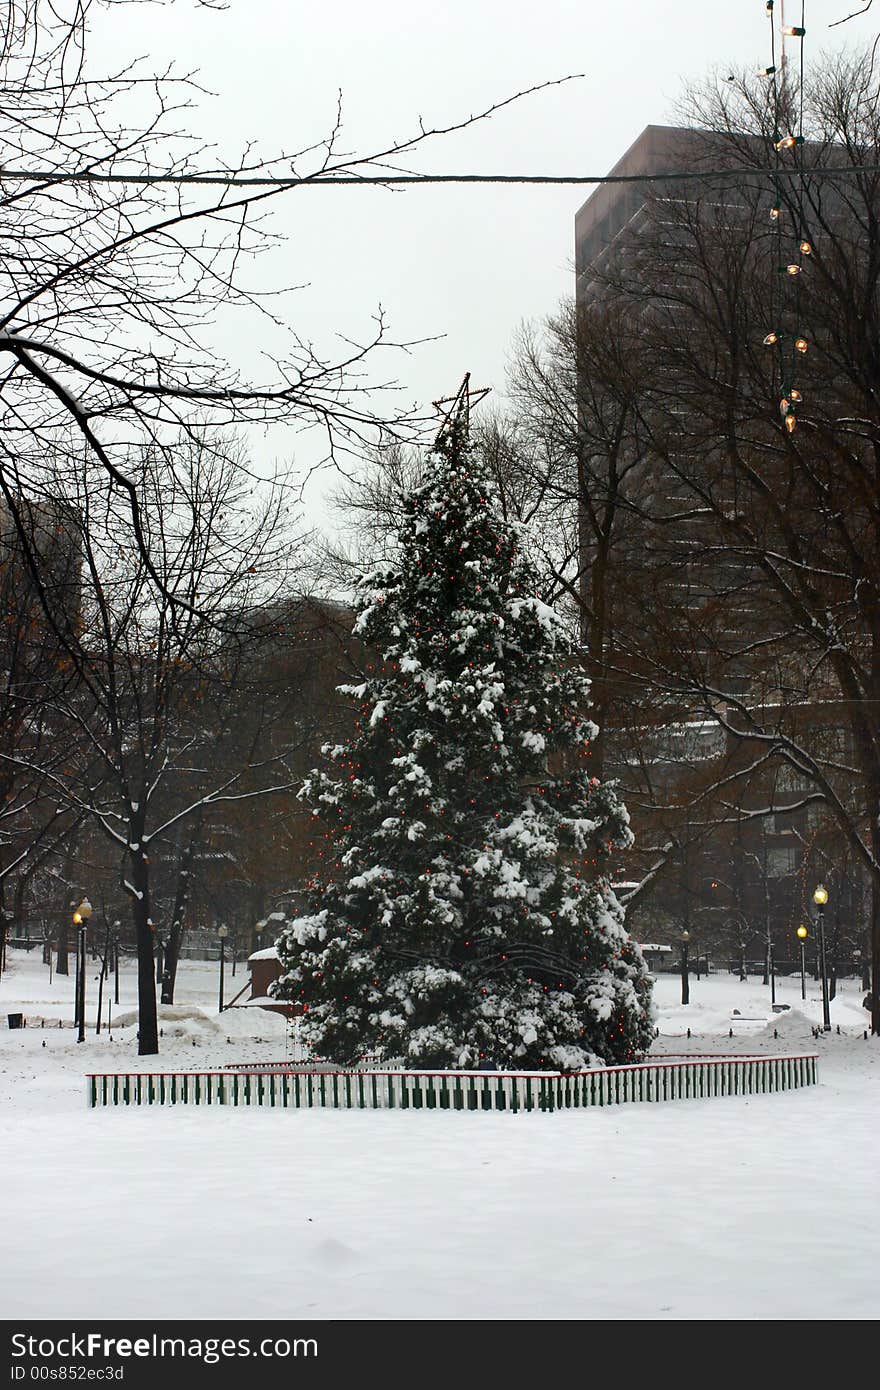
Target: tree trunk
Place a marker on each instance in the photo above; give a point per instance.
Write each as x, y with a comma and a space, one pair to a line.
101, 978
169, 968
148, 1022
18, 913
766, 976
178, 916
61, 964
835, 949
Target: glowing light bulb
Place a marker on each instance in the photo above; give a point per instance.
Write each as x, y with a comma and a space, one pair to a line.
794, 31
788, 141
784, 406
774, 214
795, 394
790, 424
806, 249
793, 269
771, 339
801, 344
767, 72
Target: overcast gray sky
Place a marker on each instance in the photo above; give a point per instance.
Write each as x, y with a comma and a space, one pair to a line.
465, 263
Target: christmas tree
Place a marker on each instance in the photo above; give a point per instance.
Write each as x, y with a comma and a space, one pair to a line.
465, 915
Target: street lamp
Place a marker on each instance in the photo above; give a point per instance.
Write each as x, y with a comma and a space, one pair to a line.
685, 983
802, 939
820, 898
222, 932
80, 921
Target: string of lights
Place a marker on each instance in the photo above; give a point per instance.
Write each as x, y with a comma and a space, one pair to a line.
789, 223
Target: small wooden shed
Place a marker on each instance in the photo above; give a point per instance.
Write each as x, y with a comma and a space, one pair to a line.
265, 967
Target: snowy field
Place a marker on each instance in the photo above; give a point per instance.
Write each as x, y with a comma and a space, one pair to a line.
711, 1209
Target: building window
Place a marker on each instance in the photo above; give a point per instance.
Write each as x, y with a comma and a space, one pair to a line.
817, 813
782, 861
791, 779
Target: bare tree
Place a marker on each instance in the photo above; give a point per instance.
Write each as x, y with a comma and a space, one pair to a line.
267, 700
155, 713
369, 504
767, 526
120, 252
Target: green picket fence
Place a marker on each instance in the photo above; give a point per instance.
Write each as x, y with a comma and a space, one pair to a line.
512, 1091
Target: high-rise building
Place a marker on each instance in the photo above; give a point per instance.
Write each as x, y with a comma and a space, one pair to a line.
747, 874
618, 207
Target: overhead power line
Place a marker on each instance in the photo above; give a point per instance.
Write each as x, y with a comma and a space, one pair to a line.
335, 180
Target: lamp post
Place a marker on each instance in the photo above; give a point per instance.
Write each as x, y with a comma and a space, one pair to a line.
685, 983
222, 932
77, 922
802, 941
80, 921
820, 898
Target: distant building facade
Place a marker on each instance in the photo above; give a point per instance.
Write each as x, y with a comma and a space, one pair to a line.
746, 884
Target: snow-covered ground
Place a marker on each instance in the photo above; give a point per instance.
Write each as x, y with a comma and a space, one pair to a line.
714, 1209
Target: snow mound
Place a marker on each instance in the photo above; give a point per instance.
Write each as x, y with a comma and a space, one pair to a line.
175, 1020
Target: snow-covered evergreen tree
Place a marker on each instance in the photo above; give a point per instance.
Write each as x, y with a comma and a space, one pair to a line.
465, 913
